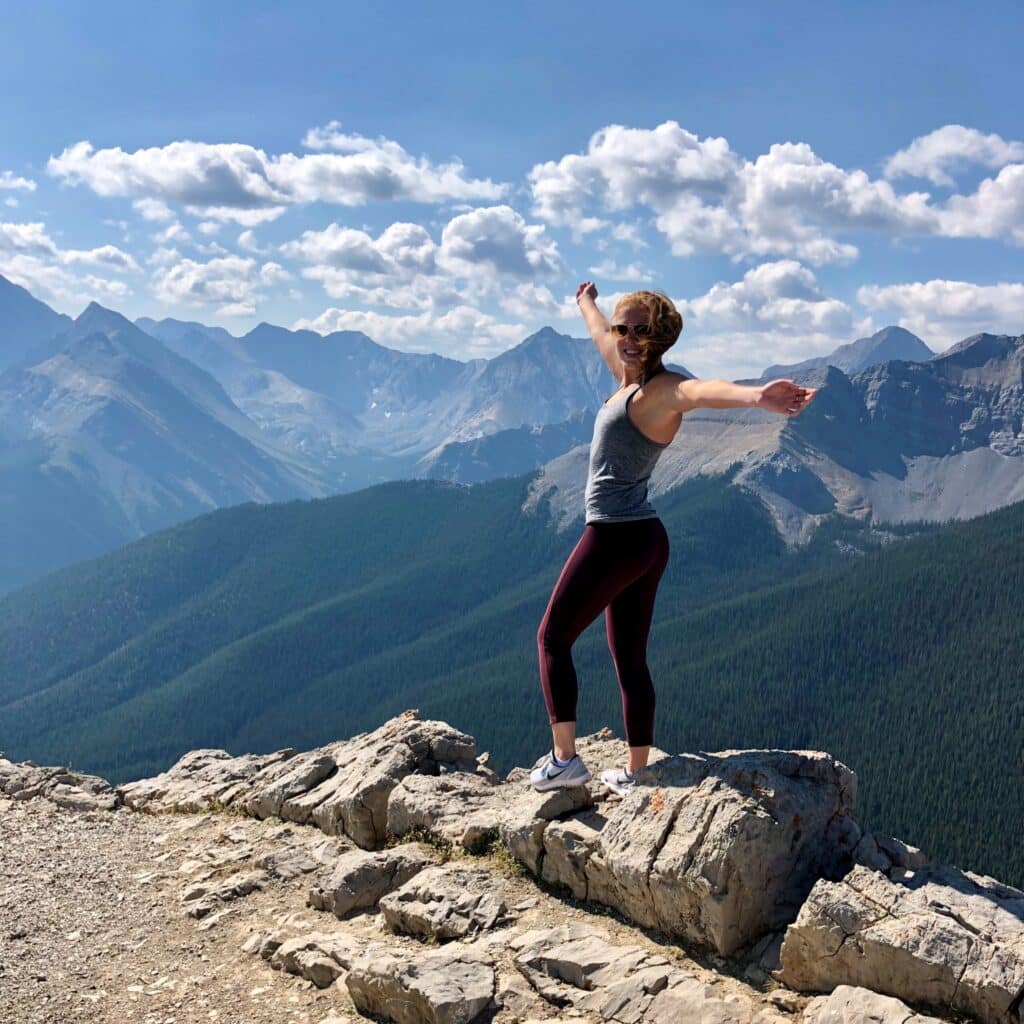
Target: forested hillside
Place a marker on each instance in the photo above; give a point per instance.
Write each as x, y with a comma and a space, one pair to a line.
263, 626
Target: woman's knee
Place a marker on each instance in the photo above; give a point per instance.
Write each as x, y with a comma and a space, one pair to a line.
550, 638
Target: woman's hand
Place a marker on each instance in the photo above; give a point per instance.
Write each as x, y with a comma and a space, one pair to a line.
785, 397
587, 288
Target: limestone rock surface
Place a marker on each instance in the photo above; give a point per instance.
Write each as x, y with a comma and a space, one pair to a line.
462, 807
716, 848
848, 1004
320, 957
360, 878
452, 985
342, 788
576, 968
938, 937
73, 790
446, 902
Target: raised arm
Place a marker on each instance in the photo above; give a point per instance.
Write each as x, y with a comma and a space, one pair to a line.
598, 326
785, 397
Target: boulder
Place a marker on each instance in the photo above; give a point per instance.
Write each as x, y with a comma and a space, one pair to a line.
445, 902
70, 790
453, 985
848, 1004
281, 781
578, 970
354, 801
199, 779
936, 937
884, 853
360, 878
463, 807
517, 996
319, 957
568, 845
342, 788
716, 848
528, 813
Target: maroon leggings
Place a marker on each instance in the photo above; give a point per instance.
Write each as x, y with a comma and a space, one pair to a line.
615, 567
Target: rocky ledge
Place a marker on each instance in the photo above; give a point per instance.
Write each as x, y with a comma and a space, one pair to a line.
729, 886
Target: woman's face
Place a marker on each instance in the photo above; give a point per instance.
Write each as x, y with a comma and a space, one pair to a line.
630, 346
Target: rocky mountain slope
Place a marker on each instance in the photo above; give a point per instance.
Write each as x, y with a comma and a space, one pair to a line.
24, 322
109, 431
106, 435
897, 442
390, 402
395, 876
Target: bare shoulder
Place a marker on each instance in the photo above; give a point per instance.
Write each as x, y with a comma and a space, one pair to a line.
673, 392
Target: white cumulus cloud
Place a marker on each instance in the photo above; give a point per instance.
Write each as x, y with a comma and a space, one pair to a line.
28, 238
995, 210
463, 332
153, 209
229, 283
776, 313
497, 238
10, 181
944, 312
950, 149
404, 268
787, 202
221, 181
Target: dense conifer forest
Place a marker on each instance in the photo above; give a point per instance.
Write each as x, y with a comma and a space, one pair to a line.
263, 626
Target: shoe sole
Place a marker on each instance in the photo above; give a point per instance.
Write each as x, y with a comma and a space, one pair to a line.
620, 791
555, 784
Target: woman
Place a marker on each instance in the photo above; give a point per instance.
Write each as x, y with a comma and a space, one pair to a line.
618, 562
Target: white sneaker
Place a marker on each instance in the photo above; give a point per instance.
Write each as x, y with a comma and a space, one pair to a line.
548, 775
618, 780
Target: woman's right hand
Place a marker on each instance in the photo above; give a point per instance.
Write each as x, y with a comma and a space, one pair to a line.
587, 288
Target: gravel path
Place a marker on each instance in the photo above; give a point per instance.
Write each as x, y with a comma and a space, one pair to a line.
92, 927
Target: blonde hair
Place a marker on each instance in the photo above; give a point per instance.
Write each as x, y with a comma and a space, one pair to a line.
666, 325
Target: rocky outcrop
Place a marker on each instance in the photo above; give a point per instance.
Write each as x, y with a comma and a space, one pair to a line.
360, 878
937, 936
342, 788
446, 886
445, 902
453, 985
321, 957
575, 966
848, 1004
73, 790
715, 848
463, 808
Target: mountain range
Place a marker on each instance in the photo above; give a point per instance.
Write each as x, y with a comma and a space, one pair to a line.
898, 441
110, 430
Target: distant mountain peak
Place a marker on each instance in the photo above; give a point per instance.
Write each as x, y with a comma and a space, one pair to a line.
891, 342
25, 323
96, 317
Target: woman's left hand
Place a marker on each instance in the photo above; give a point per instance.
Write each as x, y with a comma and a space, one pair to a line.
785, 397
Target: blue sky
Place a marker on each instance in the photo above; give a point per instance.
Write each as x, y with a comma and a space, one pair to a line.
442, 177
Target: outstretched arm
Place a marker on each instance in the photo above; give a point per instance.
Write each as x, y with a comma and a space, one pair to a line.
783, 396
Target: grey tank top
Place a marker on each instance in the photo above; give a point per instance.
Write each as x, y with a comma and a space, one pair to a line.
622, 458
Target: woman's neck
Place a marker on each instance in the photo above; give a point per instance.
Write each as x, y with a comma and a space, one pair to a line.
640, 377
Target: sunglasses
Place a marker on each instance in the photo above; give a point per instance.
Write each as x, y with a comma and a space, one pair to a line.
640, 330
